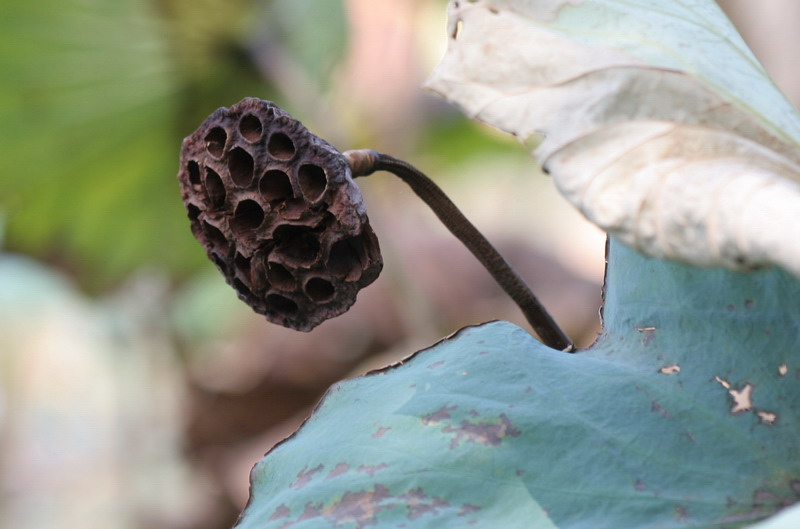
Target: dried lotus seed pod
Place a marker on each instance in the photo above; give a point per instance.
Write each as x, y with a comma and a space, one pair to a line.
276, 209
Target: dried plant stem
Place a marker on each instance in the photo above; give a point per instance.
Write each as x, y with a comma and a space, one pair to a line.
364, 162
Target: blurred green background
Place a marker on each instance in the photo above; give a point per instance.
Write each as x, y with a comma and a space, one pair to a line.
136, 391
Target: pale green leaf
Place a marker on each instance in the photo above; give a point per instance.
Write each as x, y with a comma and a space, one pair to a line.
685, 413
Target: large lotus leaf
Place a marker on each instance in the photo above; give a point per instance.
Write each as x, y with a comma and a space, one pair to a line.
684, 413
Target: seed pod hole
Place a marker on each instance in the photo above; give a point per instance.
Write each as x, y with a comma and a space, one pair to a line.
193, 211
247, 217
241, 288
215, 188
319, 290
275, 185
242, 264
258, 275
215, 238
297, 243
281, 304
346, 258
280, 277
240, 165
250, 128
217, 260
215, 142
281, 146
194, 173
313, 181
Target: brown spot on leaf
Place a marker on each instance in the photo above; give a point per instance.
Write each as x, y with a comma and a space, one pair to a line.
762, 496
438, 416
361, 508
485, 432
282, 511
338, 470
468, 509
752, 515
418, 504
371, 469
657, 408
436, 364
764, 502
380, 432
303, 477
654, 404
312, 510
748, 304
639, 485
681, 513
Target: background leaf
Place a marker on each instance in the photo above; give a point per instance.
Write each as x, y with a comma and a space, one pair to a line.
654, 119
88, 116
683, 414
316, 46
96, 97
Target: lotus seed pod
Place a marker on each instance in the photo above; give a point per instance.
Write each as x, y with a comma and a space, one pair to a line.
277, 211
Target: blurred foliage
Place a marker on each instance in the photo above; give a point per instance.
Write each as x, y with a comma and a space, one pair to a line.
317, 47
458, 139
95, 97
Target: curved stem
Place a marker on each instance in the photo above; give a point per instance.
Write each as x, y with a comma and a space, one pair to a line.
364, 162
